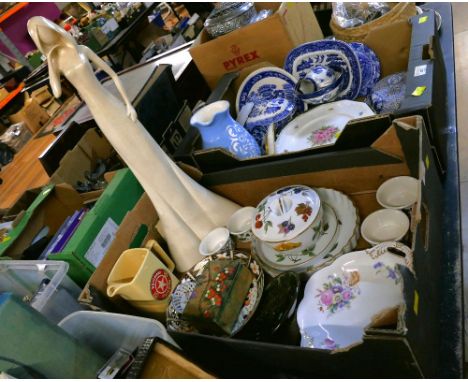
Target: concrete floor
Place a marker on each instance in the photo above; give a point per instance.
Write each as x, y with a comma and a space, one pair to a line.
460, 25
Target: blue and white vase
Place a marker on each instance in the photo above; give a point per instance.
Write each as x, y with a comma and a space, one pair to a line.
219, 129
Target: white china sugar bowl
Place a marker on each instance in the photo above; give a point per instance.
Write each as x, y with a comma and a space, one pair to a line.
287, 220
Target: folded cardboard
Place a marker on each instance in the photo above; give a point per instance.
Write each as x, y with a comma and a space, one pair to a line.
404, 350
32, 114
137, 227
95, 235
82, 158
268, 40
51, 206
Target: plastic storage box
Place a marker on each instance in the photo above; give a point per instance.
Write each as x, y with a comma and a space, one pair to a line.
106, 332
43, 284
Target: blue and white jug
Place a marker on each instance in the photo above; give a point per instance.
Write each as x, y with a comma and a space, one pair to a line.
219, 129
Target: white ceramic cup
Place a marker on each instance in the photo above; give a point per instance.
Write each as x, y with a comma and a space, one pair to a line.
240, 224
384, 225
398, 193
216, 241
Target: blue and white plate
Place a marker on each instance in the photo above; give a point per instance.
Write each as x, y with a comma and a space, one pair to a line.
268, 83
370, 67
328, 53
277, 111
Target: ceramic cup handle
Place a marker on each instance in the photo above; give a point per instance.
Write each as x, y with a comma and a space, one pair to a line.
270, 140
154, 247
394, 247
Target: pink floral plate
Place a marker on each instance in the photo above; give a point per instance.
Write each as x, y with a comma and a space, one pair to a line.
320, 126
181, 294
344, 298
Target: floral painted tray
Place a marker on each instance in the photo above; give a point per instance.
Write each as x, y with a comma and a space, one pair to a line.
181, 294
320, 126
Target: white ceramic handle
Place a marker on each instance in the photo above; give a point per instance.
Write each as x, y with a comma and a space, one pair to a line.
270, 140
382, 248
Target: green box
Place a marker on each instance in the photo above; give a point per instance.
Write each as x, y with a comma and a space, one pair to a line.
96, 232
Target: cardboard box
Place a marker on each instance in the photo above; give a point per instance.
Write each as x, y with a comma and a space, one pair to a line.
3, 93
97, 231
268, 40
137, 227
32, 114
42, 95
407, 349
51, 206
83, 157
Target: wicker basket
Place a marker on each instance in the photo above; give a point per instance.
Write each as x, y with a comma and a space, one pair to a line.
399, 12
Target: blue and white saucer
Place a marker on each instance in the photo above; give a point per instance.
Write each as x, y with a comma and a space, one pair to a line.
327, 53
268, 83
370, 67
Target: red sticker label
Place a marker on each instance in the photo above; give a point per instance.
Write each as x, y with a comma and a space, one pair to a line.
160, 284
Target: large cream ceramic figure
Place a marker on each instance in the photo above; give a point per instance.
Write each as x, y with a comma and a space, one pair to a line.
187, 210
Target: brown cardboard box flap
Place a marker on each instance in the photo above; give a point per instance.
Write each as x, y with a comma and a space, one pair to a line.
142, 215
268, 40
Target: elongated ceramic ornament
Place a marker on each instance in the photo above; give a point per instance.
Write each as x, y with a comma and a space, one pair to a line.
187, 210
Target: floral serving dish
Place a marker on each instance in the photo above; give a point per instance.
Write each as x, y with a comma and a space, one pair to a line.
182, 293
320, 126
268, 83
288, 219
340, 230
357, 290
327, 53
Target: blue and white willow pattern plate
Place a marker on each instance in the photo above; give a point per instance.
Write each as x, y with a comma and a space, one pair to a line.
327, 53
370, 67
268, 83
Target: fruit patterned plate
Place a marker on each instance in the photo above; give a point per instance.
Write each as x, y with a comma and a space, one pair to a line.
357, 290
181, 294
343, 242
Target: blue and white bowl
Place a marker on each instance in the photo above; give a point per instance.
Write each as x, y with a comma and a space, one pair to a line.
387, 94
277, 112
370, 67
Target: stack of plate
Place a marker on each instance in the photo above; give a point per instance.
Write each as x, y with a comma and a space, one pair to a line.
338, 234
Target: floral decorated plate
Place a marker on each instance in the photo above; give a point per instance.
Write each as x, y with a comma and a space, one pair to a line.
320, 126
268, 83
327, 53
181, 294
344, 240
355, 291
327, 233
